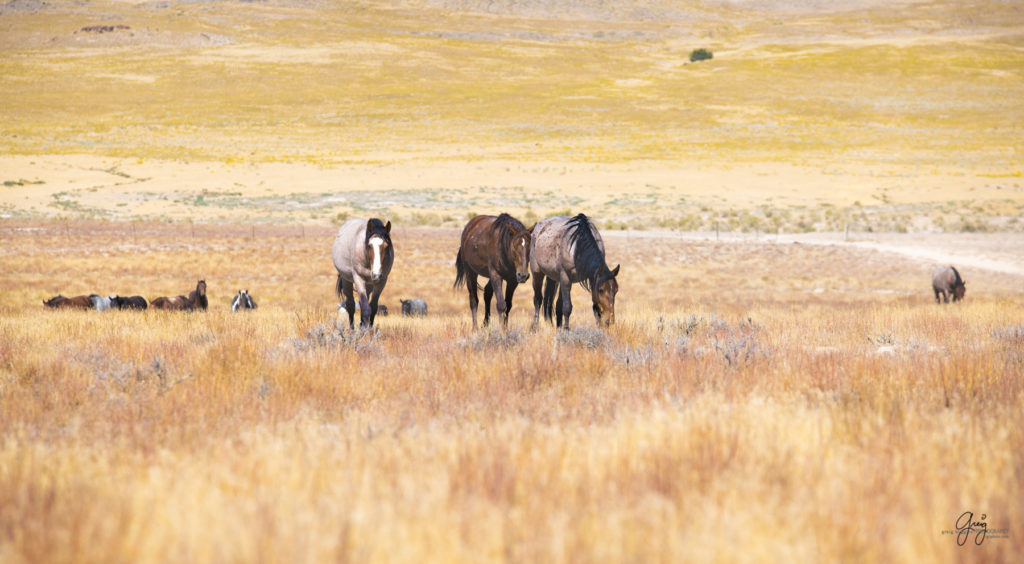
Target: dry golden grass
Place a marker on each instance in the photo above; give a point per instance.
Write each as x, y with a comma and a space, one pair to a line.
756, 401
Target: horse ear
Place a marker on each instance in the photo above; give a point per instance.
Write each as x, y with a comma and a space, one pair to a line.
388, 227
615, 271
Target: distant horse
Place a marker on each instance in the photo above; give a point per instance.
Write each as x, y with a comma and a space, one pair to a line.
243, 301
565, 251
100, 303
946, 281
363, 255
133, 302
195, 300
77, 302
414, 307
497, 248
198, 296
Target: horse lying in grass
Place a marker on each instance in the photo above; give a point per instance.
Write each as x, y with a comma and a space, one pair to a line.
195, 300
62, 302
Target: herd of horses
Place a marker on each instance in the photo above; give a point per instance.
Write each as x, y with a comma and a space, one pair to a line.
557, 252
195, 300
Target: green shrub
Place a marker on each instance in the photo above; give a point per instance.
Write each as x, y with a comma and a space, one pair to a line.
700, 55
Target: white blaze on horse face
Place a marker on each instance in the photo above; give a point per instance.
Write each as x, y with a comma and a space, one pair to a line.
376, 242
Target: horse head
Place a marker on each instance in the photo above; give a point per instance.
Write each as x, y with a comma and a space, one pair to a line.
201, 288
603, 293
959, 290
519, 250
378, 246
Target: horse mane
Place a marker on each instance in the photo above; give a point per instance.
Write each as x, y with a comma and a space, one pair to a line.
376, 227
587, 257
504, 227
958, 281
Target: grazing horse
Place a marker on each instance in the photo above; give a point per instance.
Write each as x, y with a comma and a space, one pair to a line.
946, 281
243, 301
195, 300
77, 302
363, 256
134, 302
497, 248
567, 250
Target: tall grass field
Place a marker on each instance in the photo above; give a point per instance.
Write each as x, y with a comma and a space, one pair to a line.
754, 401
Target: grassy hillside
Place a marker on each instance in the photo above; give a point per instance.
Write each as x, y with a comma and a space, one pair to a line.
932, 85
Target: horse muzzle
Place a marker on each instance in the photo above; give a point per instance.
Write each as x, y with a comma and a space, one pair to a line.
522, 277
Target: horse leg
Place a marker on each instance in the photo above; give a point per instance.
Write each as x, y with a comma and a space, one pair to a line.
488, 292
564, 294
938, 300
550, 288
538, 296
350, 303
364, 304
510, 290
500, 305
474, 300
377, 289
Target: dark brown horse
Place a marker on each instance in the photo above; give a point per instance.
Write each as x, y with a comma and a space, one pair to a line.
497, 248
195, 300
77, 302
198, 296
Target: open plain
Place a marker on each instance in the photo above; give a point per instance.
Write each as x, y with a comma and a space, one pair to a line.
780, 384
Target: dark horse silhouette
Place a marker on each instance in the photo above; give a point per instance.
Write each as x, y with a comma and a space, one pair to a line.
565, 251
363, 255
497, 248
196, 299
133, 302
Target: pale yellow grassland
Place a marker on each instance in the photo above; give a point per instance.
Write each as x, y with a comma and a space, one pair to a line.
735, 412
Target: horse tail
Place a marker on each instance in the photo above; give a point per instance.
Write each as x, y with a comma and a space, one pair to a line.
549, 297
338, 285
460, 270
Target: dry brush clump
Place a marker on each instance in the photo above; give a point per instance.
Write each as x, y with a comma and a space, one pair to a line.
732, 422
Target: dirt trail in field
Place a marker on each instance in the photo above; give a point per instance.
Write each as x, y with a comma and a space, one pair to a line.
994, 252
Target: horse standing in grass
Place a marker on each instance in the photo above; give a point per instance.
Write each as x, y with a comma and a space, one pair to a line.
947, 282
497, 248
567, 250
77, 302
363, 256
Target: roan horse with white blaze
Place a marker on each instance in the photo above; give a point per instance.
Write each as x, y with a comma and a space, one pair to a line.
497, 248
567, 250
363, 255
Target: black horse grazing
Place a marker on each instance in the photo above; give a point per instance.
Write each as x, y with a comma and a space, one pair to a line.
946, 281
497, 248
565, 251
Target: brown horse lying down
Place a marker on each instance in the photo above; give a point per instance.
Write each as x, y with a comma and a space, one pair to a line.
77, 302
195, 300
